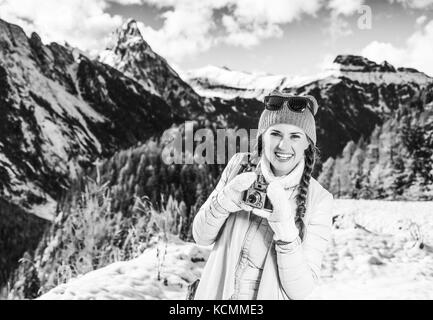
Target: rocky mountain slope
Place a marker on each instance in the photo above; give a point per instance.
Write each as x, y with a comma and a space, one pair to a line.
60, 110
59, 107
129, 53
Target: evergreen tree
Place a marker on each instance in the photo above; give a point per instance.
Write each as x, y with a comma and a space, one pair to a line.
327, 170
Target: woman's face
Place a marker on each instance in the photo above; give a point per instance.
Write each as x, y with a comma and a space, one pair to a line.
284, 146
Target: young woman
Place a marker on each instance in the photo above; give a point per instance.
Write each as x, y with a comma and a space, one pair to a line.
258, 253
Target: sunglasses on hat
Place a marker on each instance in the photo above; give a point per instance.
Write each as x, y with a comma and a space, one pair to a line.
296, 104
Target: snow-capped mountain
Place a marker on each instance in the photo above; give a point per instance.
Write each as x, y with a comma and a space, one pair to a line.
129, 53
59, 107
358, 95
354, 95
222, 82
361, 69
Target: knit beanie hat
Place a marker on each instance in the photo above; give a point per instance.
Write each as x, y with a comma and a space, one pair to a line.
304, 120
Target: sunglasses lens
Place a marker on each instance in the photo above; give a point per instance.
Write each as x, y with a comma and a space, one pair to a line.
298, 104
274, 103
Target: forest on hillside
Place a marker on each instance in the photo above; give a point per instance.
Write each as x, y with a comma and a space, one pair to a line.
394, 163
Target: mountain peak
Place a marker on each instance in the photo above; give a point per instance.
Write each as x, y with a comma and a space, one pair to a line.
127, 35
361, 64
130, 28
387, 66
353, 62
13, 35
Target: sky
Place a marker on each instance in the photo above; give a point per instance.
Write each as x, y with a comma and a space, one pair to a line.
291, 37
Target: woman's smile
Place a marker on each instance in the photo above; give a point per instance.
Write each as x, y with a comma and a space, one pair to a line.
283, 156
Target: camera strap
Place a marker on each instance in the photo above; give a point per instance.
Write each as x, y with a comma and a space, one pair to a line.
247, 163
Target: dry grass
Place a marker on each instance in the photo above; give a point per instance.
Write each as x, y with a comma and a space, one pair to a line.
89, 235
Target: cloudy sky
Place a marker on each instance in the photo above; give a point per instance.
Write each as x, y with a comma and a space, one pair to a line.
294, 37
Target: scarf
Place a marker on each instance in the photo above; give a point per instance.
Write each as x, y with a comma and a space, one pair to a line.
289, 180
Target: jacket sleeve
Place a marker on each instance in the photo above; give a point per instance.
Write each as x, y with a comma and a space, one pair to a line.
299, 266
211, 217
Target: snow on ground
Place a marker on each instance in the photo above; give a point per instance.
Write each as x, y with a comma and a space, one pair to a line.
374, 254
138, 278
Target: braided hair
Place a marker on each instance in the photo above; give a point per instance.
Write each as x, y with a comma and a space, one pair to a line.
311, 155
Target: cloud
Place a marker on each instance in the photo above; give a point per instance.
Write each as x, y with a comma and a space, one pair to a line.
273, 11
420, 20
326, 62
379, 51
345, 7
420, 47
414, 4
126, 2
338, 27
191, 27
252, 21
81, 23
416, 53
248, 35
183, 33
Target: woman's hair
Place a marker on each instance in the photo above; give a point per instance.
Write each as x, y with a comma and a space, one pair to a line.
311, 155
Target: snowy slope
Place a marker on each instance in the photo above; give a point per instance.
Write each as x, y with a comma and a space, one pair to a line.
361, 69
138, 278
382, 260
211, 81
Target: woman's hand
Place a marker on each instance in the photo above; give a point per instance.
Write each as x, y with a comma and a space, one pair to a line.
230, 196
281, 219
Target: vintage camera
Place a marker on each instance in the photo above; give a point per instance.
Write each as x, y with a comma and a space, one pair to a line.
256, 196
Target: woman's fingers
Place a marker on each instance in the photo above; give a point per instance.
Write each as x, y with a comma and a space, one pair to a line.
277, 195
244, 206
261, 213
243, 181
275, 191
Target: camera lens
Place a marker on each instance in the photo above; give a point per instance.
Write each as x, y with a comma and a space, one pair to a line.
254, 198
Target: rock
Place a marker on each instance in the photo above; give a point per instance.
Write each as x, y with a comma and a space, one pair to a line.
375, 261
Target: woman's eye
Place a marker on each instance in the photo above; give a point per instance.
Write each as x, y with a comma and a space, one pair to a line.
275, 134
296, 137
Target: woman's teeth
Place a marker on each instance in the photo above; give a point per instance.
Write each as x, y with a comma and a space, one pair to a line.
283, 156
